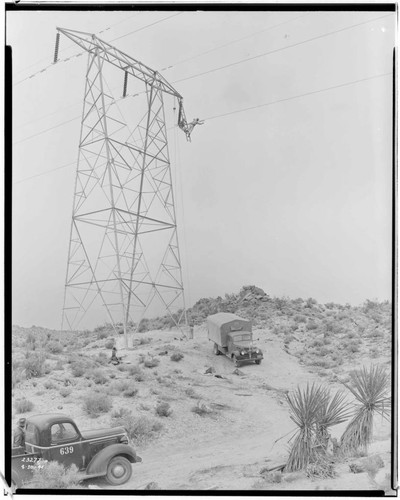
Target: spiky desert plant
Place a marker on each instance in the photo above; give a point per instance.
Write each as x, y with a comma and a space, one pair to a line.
304, 407
370, 387
333, 410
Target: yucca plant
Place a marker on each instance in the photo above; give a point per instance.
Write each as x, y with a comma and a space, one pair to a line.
332, 411
304, 406
370, 387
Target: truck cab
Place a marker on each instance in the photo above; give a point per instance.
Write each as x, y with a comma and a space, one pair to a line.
56, 437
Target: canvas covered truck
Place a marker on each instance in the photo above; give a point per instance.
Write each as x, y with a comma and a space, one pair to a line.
55, 437
233, 337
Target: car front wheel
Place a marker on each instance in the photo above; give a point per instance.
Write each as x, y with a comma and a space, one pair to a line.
119, 470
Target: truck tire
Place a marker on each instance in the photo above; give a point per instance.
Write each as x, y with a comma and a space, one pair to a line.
119, 470
258, 361
216, 350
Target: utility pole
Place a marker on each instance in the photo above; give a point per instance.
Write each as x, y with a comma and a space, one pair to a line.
123, 252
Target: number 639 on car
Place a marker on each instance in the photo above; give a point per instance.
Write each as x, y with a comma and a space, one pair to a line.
67, 450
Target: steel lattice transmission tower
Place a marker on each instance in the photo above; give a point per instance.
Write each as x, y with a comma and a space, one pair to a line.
123, 250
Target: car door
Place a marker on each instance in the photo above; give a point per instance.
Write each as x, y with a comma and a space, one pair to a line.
66, 444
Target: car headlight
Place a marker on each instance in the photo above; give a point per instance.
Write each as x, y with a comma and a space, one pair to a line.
242, 353
257, 351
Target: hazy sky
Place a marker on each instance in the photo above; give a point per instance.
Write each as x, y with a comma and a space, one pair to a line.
293, 194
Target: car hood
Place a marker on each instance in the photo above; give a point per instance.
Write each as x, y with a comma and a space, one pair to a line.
99, 433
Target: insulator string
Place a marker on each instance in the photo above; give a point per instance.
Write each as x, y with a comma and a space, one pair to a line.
56, 48
125, 84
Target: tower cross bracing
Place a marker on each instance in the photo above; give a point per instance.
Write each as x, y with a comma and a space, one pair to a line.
123, 253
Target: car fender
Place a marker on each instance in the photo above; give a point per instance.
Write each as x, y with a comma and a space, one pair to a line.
98, 464
236, 354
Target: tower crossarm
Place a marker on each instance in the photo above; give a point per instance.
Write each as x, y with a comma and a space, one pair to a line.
116, 57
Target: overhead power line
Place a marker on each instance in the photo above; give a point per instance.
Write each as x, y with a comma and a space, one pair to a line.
46, 172
270, 103
229, 43
80, 53
298, 96
279, 49
226, 66
73, 45
192, 57
47, 129
232, 42
147, 26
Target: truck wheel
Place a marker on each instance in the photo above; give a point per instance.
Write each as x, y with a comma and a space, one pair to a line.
119, 470
258, 361
216, 350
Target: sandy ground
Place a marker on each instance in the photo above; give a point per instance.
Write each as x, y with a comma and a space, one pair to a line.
224, 450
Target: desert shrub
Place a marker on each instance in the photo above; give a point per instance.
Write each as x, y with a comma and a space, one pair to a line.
65, 391
300, 318
120, 413
310, 303
94, 404
122, 368
370, 387
49, 385
192, 393
272, 477
353, 346
374, 352
163, 410
23, 405
34, 364
79, 368
144, 340
119, 386
101, 359
54, 347
59, 365
102, 334
176, 356
53, 476
312, 325
137, 373
151, 362
131, 392
98, 376
18, 375
109, 344
321, 469
317, 343
143, 325
140, 429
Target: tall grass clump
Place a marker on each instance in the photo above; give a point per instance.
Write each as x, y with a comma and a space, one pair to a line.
370, 387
